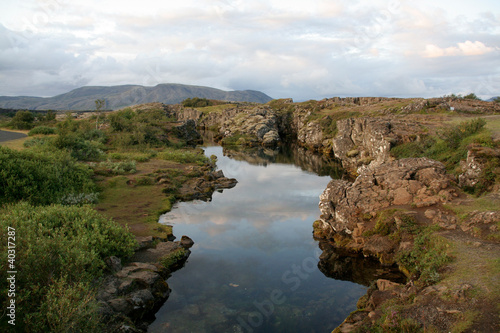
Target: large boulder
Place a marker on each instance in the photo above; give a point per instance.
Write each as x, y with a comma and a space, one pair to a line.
418, 182
255, 126
366, 142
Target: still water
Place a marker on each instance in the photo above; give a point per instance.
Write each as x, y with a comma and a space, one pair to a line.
253, 267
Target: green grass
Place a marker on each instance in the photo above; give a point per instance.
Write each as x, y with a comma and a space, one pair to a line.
428, 254
133, 156
215, 108
450, 146
183, 156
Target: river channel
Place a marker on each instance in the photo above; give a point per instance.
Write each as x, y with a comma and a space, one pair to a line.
254, 265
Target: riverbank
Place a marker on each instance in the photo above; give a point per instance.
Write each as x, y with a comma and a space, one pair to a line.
135, 173
422, 191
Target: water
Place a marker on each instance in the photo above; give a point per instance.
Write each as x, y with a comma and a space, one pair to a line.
253, 267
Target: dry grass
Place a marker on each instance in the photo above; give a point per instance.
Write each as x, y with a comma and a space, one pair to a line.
16, 144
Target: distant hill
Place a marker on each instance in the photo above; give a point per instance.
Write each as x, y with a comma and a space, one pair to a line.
121, 96
492, 99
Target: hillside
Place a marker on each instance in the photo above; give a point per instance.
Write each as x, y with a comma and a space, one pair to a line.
121, 96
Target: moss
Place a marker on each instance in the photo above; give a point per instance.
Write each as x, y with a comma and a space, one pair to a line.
172, 259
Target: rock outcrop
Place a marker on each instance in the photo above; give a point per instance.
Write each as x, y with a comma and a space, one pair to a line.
130, 295
258, 126
348, 208
366, 142
187, 132
479, 160
202, 188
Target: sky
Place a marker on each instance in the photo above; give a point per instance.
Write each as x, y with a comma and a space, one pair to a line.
303, 50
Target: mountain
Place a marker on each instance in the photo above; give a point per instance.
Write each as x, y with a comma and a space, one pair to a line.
121, 96
492, 99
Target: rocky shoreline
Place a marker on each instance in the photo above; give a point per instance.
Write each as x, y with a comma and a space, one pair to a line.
386, 209
131, 294
383, 213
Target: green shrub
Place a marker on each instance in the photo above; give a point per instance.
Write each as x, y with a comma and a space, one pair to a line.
60, 252
39, 142
41, 177
196, 102
454, 135
44, 130
138, 128
81, 149
472, 96
23, 120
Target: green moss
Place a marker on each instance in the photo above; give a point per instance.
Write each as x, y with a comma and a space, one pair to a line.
173, 258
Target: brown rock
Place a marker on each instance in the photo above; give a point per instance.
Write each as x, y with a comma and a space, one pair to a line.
186, 242
402, 197
384, 285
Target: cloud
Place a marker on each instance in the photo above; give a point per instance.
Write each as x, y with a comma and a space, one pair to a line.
467, 48
285, 48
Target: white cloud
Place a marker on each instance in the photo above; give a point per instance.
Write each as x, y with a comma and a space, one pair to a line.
467, 48
293, 49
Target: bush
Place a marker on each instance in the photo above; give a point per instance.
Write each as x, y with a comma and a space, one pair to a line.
141, 127
60, 252
44, 130
472, 96
23, 120
39, 142
41, 178
81, 149
197, 102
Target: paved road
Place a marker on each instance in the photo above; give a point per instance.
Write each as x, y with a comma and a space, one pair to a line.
7, 136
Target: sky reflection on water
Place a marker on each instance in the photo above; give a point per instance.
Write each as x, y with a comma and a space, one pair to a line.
254, 263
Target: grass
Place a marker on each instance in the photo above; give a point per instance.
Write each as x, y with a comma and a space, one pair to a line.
384, 223
482, 204
215, 108
450, 147
133, 156
428, 255
476, 266
183, 156
17, 144
464, 321
138, 207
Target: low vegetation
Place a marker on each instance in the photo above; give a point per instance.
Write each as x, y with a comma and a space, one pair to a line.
428, 254
60, 253
128, 165
450, 146
42, 177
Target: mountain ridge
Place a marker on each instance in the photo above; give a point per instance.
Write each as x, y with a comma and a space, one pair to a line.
121, 96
